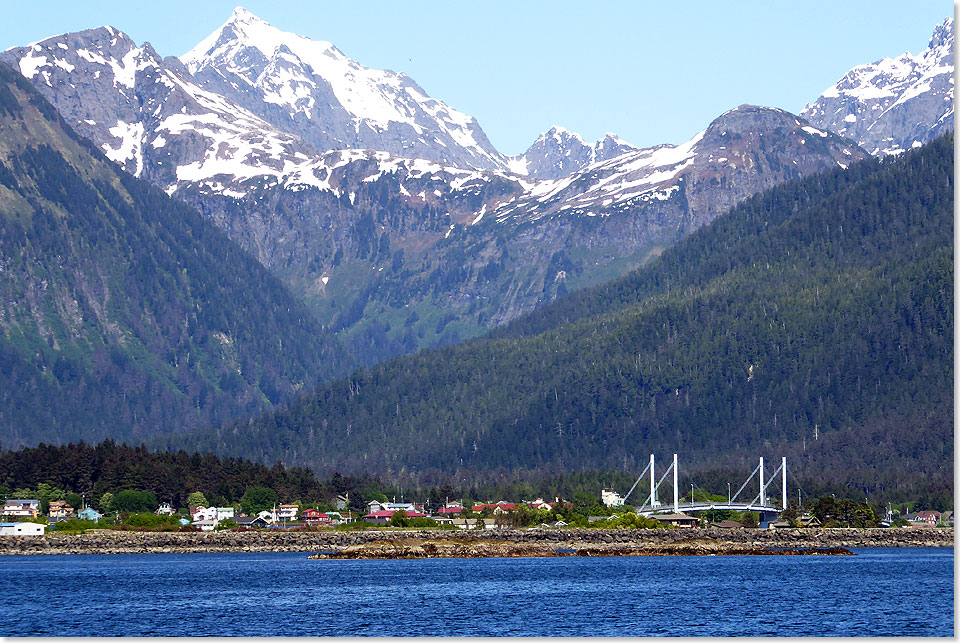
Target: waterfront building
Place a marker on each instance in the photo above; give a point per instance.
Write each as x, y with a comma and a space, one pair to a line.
315, 518
497, 508
21, 529
251, 522
21, 508
165, 509
383, 516
677, 520
60, 509
611, 498
287, 513
90, 514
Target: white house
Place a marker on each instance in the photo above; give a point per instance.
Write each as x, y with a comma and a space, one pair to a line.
225, 512
203, 513
287, 513
21, 529
611, 498
211, 514
375, 505
20, 508
268, 516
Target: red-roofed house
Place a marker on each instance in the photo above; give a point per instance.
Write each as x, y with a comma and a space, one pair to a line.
315, 518
929, 517
449, 511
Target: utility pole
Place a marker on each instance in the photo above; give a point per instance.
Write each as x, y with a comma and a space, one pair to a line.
728, 493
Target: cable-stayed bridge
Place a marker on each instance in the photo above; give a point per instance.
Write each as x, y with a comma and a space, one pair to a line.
760, 503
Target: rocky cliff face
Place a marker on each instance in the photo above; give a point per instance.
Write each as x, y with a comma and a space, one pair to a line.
893, 104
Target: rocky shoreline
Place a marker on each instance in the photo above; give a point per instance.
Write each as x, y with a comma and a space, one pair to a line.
407, 548
598, 542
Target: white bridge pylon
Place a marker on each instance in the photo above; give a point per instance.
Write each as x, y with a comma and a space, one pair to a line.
759, 503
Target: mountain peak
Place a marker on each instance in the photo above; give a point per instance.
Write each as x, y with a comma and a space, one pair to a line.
314, 91
242, 30
893, 104
242, 15
942, 34
561, 134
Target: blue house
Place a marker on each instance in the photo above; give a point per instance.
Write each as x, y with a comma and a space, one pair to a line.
90, 514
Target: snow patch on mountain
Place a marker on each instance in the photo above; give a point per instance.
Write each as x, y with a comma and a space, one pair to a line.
606, 183
130, 147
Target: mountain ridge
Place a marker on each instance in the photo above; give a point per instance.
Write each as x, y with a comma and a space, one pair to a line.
893, 104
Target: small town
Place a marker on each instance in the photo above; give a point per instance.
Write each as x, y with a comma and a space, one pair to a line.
32, 517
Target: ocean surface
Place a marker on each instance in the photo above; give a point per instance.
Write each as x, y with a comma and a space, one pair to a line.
878, 592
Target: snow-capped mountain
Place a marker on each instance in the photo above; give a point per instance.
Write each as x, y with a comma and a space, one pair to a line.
743, 151
147, 114
311, 89
895, 103
558, 152
367, 235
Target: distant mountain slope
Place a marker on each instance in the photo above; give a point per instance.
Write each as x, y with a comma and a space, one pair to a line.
894, 104
813, 321
122, 312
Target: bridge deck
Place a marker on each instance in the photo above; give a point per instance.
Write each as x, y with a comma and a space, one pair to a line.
708, 506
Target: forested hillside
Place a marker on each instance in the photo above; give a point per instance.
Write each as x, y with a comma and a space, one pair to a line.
122, 312
814, 321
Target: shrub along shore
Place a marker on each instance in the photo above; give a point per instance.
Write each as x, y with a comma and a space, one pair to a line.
599, 540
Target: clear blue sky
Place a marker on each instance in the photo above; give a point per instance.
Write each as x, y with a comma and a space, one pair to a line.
652, 72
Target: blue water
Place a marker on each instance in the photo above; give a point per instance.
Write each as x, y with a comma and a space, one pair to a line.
879, 592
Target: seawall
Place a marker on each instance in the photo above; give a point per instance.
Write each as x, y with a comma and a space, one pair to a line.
127, 542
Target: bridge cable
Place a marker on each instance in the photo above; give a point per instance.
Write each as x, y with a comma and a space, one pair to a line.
637, 482
745, 484
663, 477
